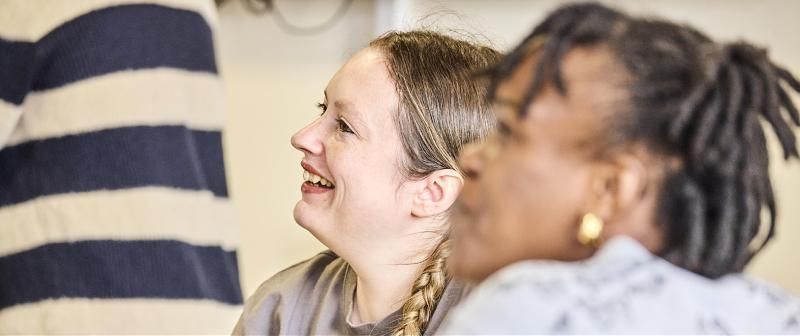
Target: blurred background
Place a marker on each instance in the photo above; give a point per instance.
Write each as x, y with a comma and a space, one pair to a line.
276, 64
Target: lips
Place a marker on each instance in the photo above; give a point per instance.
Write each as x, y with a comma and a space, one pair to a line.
314, 181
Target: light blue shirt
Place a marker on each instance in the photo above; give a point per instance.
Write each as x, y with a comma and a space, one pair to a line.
622, 289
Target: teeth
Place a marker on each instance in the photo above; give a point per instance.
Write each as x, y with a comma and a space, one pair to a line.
324, 182
313, 178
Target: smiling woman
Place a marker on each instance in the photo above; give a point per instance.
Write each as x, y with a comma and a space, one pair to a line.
380, 175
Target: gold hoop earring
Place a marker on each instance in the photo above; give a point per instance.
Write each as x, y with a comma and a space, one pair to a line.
590, 230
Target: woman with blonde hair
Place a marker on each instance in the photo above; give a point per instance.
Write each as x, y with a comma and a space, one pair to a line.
381, 173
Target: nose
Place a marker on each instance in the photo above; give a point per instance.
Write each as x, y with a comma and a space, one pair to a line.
308, 139
471, 160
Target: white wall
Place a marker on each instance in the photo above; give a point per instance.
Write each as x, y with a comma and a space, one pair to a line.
274, 79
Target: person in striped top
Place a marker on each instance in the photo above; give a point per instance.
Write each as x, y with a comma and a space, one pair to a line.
114, 209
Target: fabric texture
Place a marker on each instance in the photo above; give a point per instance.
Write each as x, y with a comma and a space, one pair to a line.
623, 289
114, 209
315, 297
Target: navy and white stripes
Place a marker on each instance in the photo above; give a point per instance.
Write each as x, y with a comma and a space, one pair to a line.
114, 210
112, 159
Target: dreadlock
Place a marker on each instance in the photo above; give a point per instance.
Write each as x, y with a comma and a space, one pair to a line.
692, 99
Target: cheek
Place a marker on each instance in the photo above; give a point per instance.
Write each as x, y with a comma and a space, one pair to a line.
368, 188
533, 206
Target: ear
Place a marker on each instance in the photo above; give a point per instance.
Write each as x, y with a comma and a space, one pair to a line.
617, 193
437, 193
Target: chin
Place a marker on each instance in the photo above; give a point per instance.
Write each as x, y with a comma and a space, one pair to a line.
303, 215
314, 222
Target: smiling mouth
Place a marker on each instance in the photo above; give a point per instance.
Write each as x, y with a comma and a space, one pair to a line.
317, 180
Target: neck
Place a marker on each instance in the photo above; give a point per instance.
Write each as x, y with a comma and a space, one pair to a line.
381, 290
387, 269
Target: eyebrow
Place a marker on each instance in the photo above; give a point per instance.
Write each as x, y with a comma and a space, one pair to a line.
507, 102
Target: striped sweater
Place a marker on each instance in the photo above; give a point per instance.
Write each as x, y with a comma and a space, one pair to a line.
114, 211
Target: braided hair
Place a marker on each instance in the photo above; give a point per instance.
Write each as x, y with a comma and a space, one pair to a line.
691, 99
425, 292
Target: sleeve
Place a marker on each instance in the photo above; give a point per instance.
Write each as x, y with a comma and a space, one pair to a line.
262, 314
274, 304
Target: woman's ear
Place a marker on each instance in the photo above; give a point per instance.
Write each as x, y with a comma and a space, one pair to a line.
437, 193
633, 179
602, 191
618, 194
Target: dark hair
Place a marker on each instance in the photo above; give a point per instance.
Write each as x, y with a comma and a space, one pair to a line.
688, 98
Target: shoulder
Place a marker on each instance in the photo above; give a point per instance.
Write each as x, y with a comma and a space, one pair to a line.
510, 299
749, 305
277, 297
541, 296
642, 294
296, 278
310, 269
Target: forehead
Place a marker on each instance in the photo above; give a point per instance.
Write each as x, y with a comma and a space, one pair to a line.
511, 91
364, 89
572, 120
594, 84
365, 75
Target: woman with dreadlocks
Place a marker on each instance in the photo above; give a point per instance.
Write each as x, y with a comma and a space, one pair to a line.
625, 184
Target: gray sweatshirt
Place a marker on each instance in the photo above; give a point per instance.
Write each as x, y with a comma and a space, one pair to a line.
315, 297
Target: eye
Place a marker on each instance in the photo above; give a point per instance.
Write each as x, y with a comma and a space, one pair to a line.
502, 129
343, 126
323, 107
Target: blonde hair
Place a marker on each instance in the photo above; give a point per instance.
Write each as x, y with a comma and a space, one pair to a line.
443, 106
